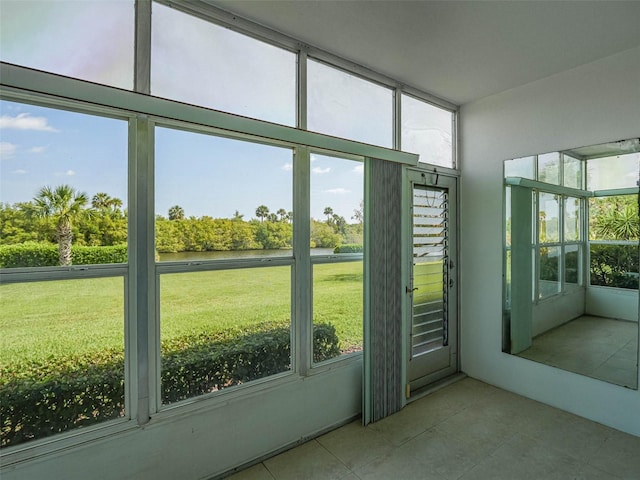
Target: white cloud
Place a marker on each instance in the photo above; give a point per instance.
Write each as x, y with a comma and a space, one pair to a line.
20, 172
7, 150
24, 121
287, 167
69, 173
359, 168
37, 149
338, 191
320, 171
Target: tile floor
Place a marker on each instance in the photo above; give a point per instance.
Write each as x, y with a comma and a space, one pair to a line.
469, 431
598, 347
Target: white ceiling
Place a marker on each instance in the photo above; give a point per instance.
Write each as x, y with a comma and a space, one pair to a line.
457, 50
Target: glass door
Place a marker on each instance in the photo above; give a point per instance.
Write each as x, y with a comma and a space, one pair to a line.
432, 284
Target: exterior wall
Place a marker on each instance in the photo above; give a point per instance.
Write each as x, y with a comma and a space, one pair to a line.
591, 104
205, 441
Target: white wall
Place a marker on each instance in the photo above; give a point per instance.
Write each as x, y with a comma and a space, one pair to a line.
213, 439
613, 303
591, 104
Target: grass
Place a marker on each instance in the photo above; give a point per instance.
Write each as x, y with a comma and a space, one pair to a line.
59, 318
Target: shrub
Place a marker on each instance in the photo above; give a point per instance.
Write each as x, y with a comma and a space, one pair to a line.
614, 265
349, 248
62, 393
33, 254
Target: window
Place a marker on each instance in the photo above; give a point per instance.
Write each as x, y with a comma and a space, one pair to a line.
63, 187
337, 227
428, 131
63, 203
62, 359
226, 203
87, 40
235, 73
613, 239
343, 105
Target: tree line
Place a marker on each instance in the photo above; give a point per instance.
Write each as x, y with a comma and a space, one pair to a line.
64, 216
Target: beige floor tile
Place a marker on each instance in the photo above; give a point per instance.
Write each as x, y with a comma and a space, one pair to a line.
446, 455
525, 458
257, 472
400, 463
356, 445
620, 455
309, 461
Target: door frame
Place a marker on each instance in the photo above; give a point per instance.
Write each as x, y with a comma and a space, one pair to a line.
433, 177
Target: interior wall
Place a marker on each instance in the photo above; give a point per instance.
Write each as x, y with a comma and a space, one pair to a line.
214, 438
591, 104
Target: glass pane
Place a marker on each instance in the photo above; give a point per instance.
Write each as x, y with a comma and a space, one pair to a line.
63, 187
573, 169
572, 262
427, 131
614, 218
549, 283
343, 105
549, 168
337, 203
223, 328
622, 171
86, 40
204, 64
62, 359
337, 309
221, 198
571, 219
549, 222
507, 216
520, 167
614, 266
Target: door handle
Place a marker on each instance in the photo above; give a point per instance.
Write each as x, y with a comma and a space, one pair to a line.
410, 290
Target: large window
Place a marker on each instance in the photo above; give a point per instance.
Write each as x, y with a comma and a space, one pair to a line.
337, 227
88, 40
63, 255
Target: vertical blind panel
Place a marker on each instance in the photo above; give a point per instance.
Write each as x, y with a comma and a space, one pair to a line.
385, 289
430, 256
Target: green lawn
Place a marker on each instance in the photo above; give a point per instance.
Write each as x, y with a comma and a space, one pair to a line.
57, 318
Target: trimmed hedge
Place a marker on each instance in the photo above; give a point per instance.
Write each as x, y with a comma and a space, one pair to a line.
349, 248
62, 393
34, 254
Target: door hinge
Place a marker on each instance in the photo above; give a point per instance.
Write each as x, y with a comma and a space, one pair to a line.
408, 390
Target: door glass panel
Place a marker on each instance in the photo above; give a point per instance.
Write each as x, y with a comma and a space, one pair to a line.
428, 131
430, 255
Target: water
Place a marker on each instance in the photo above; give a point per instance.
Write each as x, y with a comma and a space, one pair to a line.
189, 256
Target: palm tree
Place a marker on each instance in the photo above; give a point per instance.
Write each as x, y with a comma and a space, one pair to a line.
262, 212
103, 201
176, 213
328, 211
64, 205
282, 213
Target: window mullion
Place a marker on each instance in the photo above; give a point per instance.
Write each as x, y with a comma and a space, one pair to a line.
142, 301
142, 56
303, 331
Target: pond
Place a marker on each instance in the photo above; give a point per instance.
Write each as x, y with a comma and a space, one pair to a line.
230, 254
